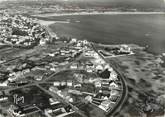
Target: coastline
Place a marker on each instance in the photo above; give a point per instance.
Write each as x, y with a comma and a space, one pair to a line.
96, 13
47, 24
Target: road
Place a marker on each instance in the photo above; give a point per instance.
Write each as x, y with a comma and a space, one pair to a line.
28, 85
122, 78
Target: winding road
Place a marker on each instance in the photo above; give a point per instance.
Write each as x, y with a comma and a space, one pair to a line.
122, 78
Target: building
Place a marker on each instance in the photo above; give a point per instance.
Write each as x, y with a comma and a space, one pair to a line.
114, 92
3, 98
113, 76
74, 66
99, 68
68, 83
53, 101
24, 112
106, 105
98, 84
114, 98
57, 83
4, 84
53, 89
113, 85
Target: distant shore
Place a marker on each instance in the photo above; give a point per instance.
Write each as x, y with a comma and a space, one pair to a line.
47, 23
95, 13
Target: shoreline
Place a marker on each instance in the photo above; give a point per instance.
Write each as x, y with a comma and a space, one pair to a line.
97, 13
47, 25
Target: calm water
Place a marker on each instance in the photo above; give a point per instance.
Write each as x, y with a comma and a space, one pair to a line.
116, 29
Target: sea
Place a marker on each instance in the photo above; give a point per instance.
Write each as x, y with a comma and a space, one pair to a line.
142, 29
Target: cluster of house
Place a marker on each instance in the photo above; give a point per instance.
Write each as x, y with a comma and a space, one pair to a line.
57, 91
15, 111
55, 109
110, 91
120, 50
12, 76
74, 49
68, 52
20, 74
109, 85
125, 49
53, 66
21, 31
106, 96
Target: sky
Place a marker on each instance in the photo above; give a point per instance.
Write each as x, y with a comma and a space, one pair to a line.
134, 2
157, 3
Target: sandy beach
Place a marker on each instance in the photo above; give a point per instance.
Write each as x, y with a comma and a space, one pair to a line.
47, 23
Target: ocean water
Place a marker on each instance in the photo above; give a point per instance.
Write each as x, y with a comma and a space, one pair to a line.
144, 30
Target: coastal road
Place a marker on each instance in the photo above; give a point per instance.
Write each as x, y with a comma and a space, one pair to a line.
122, 78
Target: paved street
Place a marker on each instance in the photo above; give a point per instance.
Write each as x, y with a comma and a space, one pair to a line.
122, 78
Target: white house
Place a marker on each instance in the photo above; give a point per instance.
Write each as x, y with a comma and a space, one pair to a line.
56, 84
113, 85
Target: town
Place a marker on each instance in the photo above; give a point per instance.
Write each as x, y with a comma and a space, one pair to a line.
21, 31
55, 77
